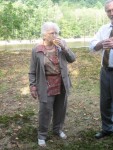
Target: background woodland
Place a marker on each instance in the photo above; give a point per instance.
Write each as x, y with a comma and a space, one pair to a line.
21, 19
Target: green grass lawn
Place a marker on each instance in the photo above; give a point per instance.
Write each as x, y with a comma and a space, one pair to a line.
19, 111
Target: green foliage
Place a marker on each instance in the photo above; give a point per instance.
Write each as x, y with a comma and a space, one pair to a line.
22, 19
11, 21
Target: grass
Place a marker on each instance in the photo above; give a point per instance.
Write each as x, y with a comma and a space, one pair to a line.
19, 111
22, 117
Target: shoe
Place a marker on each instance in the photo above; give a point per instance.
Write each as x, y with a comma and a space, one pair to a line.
41, 143
102, 134
63, 136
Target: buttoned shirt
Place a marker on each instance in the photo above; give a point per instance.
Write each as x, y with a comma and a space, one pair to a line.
103, 34
52, 71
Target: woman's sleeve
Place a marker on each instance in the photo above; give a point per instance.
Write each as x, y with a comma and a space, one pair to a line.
32, 70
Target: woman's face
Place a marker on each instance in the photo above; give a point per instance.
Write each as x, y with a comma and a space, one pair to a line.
51, 35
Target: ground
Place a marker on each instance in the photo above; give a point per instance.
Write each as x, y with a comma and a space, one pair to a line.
19, 111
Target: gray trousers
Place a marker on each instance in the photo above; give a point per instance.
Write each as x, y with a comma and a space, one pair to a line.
106, 99
56, 107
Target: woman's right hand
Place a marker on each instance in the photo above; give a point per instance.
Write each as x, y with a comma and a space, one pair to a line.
33, 91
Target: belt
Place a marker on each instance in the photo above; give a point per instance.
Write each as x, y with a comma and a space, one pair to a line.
53, 74
108, 68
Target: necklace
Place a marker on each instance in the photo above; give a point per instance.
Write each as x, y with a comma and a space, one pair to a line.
49, 47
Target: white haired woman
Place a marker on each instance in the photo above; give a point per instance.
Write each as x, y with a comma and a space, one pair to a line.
49, 80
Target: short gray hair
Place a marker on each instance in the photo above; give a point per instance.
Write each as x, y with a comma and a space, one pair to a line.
47, 26
107, 2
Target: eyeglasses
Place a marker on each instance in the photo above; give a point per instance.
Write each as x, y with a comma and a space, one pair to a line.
53, 33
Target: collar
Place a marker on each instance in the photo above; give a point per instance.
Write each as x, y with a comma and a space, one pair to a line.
40, 48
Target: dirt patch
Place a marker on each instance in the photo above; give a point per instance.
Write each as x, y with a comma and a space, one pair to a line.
19, 111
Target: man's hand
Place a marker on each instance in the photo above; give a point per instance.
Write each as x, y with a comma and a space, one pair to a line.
108, 44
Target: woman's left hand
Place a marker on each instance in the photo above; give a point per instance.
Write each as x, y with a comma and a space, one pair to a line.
60, 43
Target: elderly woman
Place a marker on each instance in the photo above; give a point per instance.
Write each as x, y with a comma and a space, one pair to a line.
49, 80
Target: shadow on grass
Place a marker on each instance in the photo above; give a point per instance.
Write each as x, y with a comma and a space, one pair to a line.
19, 131
26, 135
86, 141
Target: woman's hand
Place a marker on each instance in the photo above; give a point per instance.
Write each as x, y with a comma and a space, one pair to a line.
60, 43
33, 91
